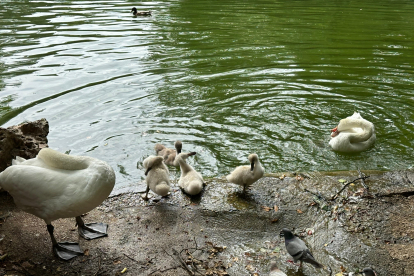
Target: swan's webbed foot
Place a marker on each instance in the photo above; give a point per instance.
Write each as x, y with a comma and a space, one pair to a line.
67, 250
64, 250
90, 231
145, 197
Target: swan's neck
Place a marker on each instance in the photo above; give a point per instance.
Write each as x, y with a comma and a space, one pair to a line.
355, 136
185, 168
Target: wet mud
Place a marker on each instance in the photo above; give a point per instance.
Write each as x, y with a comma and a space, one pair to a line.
225, 232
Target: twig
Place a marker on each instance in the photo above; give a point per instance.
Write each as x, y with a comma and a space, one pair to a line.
132, 259
361, 174
182, 264
161, 271
346, 185
318, 195
99, 266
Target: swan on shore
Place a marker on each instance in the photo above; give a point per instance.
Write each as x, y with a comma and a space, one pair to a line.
55, 185
169, 154
190, 181
247, 175
157, 176
353, 134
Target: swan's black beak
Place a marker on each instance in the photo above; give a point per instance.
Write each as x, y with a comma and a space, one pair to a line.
146, 172
252, 166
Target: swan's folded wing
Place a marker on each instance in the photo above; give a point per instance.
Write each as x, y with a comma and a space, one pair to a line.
36, 188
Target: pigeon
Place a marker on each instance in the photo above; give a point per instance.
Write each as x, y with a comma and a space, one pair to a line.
274, 271
298, 249
369, 272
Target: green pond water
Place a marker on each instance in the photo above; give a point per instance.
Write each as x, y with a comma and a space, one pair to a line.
227, 78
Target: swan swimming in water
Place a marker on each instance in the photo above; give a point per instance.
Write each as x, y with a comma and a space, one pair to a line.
55, 185
169, 154
157, 176
353, 134
190, 181
247, 175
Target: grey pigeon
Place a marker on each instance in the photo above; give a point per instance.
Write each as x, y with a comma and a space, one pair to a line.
274, 271
298, 249
369, 272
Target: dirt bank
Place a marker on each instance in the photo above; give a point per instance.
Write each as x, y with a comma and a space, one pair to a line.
223, 232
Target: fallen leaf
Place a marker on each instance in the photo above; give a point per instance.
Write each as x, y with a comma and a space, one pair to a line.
267, 209
274, 220
341, 180
249, 267
299, 211
86, 252
275, 208
276, 250
282, 177
299, 178
117, 262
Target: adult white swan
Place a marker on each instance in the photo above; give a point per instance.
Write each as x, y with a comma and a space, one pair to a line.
55, 185
353, 134
247, 175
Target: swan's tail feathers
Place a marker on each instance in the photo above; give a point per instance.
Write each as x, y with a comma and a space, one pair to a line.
18, 160
194, 188
158, 148
162, 189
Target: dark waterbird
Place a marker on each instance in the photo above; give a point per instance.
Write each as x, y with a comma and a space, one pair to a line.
298, 249
135, 12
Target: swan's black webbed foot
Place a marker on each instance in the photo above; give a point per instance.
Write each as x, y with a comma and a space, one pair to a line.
64, 250
90, 231
67, 250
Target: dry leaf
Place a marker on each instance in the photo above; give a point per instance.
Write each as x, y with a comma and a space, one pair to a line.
249, 267
275, 208
274, 220
117, 262
282, 177
299, 211
86, 252
299, 178
267, 209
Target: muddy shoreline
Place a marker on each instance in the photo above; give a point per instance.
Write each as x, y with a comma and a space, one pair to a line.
223, 232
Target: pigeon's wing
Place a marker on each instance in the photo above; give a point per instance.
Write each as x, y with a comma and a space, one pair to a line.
295, 247
307, 257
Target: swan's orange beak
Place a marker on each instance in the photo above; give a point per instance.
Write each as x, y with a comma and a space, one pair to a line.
334, 132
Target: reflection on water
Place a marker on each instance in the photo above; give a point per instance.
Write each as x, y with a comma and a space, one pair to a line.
228, 79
